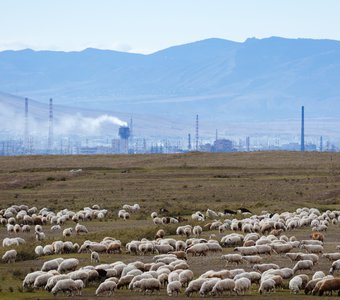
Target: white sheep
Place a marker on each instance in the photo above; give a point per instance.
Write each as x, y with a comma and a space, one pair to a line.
52, 281
224, 285
67, 232
9, 256
303, 265
52, 264
69, 264
94, 256
267, 285
318, 275
242, 285
30, 278
39, 250
80, 229
148, 285
185, 277
106, 287
232, 258
65, 285
208, 285
173, 287
335, 266
295, 284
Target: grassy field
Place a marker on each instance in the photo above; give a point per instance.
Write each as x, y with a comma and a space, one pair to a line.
182, 183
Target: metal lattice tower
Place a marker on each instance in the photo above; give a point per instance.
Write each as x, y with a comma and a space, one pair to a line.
50, 127
302, 128
197, 136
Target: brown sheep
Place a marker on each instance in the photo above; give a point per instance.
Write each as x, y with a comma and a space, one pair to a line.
329, 285
249, 243
317, 236
180, 254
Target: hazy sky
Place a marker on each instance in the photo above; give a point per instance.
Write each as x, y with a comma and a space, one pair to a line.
148, 25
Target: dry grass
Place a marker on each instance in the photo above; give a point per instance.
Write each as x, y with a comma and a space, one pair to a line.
182, 183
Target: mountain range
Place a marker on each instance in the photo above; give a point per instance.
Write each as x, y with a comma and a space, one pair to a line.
222, 81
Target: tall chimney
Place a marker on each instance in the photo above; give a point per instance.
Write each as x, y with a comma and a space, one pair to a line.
302, 128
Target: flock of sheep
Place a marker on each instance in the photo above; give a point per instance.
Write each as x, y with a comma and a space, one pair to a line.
254, 240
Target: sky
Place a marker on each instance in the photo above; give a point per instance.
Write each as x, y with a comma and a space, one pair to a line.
145, 26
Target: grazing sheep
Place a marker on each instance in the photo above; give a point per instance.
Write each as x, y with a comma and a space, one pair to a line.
332, 256
233, 258
252, 259
160, 234
303, 265
335, 266
208, 285
295, 284
194, 286
329, 285
265, 267
311, 285
80, 229
267, 285
69, 264
318, 275
106, 288
173, 287
65, 285
317, 236
67, 232
318, 249
148, 285
242, 285
9, 256
224, 285
52, 264
198, 249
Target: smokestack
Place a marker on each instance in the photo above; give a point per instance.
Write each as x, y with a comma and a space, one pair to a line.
302, 128
196, 148
321, 144
26, 137
216, 136
50, 127
248, 143
189, 141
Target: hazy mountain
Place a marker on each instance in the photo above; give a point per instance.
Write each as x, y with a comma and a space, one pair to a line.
263, 79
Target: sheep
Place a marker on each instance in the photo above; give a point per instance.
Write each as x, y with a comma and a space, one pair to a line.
106, 287
80, 229
94, 257
160, 234
267, 285
42, 279
265, 267
335, 266
64, 285
146, 275
224, 285
281, 248
313, 248
9, 256
30, 278
80, 285
198, 249
39, 250
311, 285
318, 275
52, 264
254, 277
232, 258
303, 265
329, 285
124, 281
331, 256
179, 254
194, 286
173, 287
317, 236
208, 285
295, 284
309, 256
180, 245
252, 259
246, 250
40, 236
242, 285
69, 264
67, 232
185, 277
148, 284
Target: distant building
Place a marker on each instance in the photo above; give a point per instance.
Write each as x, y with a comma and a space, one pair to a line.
223, 145
291, 147
206, 148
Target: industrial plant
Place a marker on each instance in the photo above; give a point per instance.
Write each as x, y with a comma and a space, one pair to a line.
123, 140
